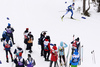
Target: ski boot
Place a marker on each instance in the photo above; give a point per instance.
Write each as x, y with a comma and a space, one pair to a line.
62, 17
72, 17
30, 51
61, 64
7, 60
12, 59
48, 59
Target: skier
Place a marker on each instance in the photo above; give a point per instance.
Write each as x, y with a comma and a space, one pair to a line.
69, 9
10, 31
41, 40
61, 52
26, 36
75, 59
75, 44
30, 62
7, 45
17, 51
54, 56
46, 49
19, 61
30, 44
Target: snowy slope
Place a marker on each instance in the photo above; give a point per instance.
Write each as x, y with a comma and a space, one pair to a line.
40, 15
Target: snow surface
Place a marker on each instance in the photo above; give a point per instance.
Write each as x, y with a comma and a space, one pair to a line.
45, 15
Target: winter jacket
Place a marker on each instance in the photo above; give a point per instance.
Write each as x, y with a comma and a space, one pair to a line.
70, 7
42, 37
18, 50
54, 54
75, 58
4, 34
46, 45
9, 31
75, 44
61, 48
26, 34
30, 62
8, 45
19, 61
30, 36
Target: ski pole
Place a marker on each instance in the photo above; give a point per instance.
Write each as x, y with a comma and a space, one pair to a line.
82, 53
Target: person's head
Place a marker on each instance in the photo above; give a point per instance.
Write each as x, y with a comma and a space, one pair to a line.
77, 39
73, 4
61, 43
9, 24
54, 44
29, 32
44, 33
27, 29
54, 47
29, 55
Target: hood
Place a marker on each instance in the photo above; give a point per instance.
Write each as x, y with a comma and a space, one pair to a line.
46, 40
61, 43
54, 47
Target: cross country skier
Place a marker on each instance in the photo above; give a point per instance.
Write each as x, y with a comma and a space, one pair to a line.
19, 61
75, 59
61, 51
10, 31
54, 56
69, 9
7, 45
30, 62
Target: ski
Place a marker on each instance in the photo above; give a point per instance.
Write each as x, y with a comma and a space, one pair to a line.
82, 53
67, 55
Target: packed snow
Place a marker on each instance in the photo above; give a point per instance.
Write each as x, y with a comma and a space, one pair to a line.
45, 15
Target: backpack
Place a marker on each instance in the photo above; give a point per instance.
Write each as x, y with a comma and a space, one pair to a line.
46, 45
74, 45
4, 34
61, 49
7, 44
20, 62
9, 30
30, 64
75, 58
39, 41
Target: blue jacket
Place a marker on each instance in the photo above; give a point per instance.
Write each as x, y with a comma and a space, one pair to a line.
70, 7
75, 58
4, 34
61, 48
9, 42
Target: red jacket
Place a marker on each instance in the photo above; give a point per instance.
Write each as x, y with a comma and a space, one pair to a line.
54, 55
46, 45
